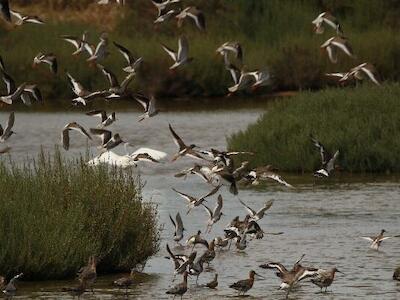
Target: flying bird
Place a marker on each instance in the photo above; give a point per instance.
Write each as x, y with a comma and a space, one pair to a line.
149, 105
48, 58
376, 241
23, 19
83, 95
65, 133
327, 159
183, 150
328, 19
108, 140
181, 57
133, 62
257, 215
334, 43
195, 14
106, 120
178, 225
214, 215
233, 47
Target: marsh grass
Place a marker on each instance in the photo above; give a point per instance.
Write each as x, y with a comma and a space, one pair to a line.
55, 213
363, 123
278, 36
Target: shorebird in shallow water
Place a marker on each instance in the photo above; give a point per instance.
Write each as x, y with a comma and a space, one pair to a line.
243, 286
149, 105
195, 14
324, 278
181, 288
257, 215
47, 58
11, 289
65, 133
178, 227
105, 120
7, 132
5, 10
213, 283
23, 19
181, 57
376, 241
214, 215
183, 150
133, 62
326, 18
83, 95
327, 159
88, 273
126, 281
334, 43
360, 72
193, 201
396, 274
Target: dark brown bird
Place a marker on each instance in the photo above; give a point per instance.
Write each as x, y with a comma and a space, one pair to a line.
179, 289
126, 281
214, 283
242, 286
88, 274
396, 274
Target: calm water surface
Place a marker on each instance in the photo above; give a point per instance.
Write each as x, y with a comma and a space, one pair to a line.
322, 219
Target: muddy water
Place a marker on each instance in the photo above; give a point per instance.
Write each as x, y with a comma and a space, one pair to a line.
322, 219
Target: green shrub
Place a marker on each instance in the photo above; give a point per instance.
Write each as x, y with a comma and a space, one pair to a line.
362, 122
55, 213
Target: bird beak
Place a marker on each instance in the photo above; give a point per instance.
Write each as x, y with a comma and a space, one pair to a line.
260, 276
340, 272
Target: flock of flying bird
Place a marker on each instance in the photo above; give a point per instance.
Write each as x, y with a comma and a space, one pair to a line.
217, 168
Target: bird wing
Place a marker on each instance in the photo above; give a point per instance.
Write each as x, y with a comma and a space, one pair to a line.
370, 74
278, 266
10, 83
212, 192
183, 48
73, 40
170, 52
125, 53
265, 208
104, 134
198, 17
332, 54
65, 138
208, 210
331, 163
343, 45
34, 91
112, 79
277, 178
218, 207
10, 123
185, 196
98, 113
143, 100
5, 10
179, 223
77, 87
321, 149
367, 238
80, 129
248, 208
173, 222
178, 141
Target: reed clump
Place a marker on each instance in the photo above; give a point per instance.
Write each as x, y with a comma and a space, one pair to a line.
363, 123
55, 213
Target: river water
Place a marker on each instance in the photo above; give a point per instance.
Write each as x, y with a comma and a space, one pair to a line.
322, 219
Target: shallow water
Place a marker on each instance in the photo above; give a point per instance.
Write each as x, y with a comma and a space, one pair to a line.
322, 219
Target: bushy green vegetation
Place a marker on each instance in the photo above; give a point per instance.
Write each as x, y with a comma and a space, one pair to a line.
363, 123
275, 34
56, 213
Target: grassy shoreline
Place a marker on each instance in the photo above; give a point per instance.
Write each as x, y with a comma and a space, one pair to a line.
56, 213
362, 123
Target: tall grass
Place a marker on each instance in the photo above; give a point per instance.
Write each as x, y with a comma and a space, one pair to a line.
363, 123
275, 34
56, 213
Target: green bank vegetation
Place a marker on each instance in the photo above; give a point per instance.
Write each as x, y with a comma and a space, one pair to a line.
56, 213
275, 34
363, 123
